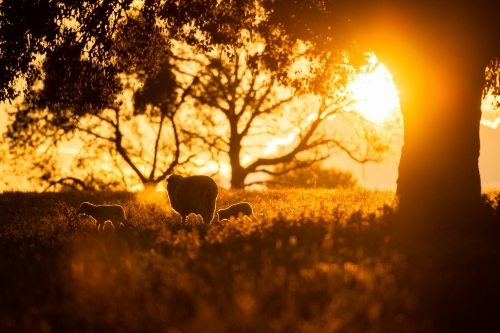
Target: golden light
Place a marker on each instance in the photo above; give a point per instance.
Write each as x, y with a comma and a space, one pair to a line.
490, 113
375, 94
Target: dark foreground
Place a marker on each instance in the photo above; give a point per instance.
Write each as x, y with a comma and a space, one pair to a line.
318, 261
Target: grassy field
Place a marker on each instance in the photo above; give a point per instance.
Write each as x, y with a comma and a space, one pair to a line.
318, 261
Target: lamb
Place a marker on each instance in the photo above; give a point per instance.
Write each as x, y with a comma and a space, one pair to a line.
239, 211
193, 195
113, 213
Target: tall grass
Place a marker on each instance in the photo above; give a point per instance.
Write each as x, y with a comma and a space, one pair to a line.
317, 261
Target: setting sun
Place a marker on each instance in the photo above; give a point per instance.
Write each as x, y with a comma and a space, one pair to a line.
375, 94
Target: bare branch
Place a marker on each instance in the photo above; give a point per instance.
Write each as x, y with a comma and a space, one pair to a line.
157, 142
68, 181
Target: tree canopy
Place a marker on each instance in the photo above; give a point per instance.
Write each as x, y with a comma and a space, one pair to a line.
77, 37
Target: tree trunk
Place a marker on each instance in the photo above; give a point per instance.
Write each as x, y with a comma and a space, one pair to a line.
438, 170
437, 62
238, 174
238, 178
150, 186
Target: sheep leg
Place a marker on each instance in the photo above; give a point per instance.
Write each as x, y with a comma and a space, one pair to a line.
206, 218
124, 222
253, 218
210, 212
241, 216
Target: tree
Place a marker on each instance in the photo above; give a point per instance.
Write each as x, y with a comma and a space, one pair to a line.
240, 111
314, 176
129, 143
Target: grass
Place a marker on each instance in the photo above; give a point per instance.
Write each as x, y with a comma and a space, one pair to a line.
318, 261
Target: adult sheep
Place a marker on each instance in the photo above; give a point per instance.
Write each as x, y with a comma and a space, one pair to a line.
193, 195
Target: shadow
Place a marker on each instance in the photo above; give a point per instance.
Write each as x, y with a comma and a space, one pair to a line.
454, 265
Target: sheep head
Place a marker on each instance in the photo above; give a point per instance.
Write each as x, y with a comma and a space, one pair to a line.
172, 180
85, 208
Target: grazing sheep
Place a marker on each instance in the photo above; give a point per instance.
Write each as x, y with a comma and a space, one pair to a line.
239, 211
113, 213
195, 194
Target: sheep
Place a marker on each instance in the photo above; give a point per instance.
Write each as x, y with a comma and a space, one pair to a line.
239, 211
113, 213
194, 194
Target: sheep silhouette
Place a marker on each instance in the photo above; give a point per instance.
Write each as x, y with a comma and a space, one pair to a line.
113, 213
193, 195
239, 211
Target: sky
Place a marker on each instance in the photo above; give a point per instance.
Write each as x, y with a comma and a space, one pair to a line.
489, 159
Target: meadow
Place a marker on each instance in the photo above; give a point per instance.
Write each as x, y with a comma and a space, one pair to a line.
317, 261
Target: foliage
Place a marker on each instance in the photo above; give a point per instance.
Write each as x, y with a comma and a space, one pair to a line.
76, 38
313, 176
79, 49
318, 261
493, 81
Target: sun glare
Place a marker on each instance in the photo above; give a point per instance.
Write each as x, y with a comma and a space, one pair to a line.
375, 94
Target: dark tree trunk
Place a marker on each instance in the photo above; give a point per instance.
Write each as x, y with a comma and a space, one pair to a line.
437, 56
238, 173
238, 176
438, 170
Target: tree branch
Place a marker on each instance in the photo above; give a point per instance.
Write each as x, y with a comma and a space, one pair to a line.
157, 142
63, 181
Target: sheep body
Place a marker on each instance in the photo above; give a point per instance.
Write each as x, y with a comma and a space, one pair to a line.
239, 211
193, 195
102, 213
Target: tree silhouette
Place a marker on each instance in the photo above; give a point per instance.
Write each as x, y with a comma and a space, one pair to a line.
77, 38
139, 140
240, 111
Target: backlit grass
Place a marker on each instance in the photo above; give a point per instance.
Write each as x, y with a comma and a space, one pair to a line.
317, 261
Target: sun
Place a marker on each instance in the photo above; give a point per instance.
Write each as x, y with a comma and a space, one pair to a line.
374, 93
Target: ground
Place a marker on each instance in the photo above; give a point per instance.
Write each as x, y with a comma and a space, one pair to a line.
318, 261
